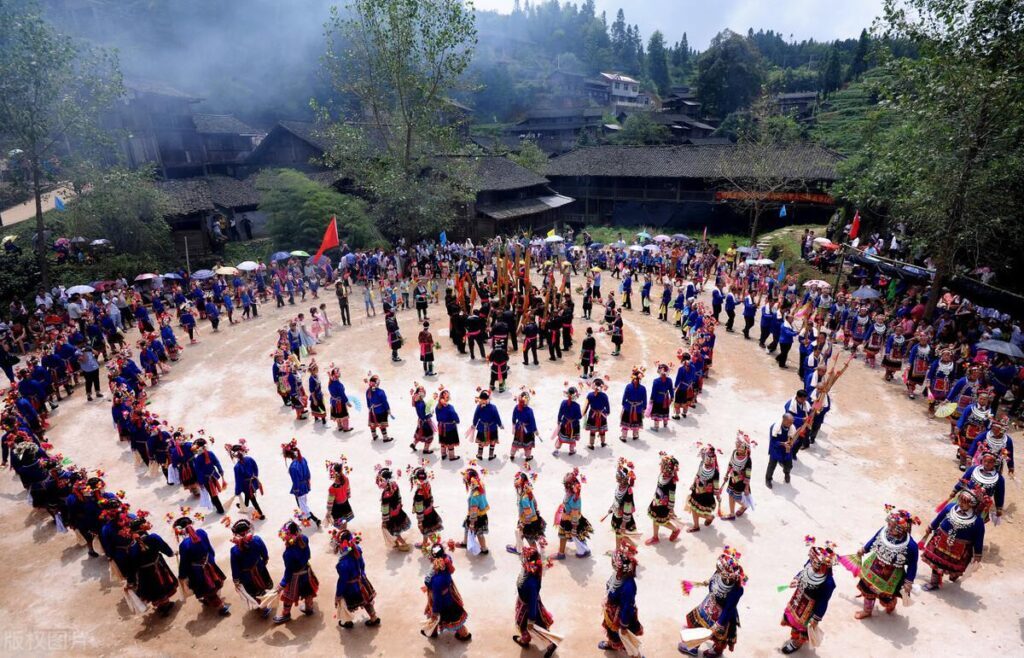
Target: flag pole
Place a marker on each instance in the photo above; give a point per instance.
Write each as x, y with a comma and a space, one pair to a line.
188, 263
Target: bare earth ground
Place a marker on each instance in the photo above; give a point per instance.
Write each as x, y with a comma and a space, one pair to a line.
877, 447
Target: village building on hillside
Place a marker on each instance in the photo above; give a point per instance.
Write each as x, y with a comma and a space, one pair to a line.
625, 91
508, 198
157, 125
799, 104
686, 186
558, 131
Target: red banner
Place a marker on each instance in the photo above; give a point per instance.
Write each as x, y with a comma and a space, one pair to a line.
781, 197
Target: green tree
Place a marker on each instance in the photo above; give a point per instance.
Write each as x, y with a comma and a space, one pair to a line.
859, 64
752, 167
729, 74
52, 92
657, 62
298, 210
639, 129
951, 164
832, 75
124, 207
399, 60
530, 156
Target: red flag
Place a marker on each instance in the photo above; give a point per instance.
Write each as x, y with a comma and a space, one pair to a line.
330, 239
855, 227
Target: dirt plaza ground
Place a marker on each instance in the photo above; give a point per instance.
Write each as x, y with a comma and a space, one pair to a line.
876, 447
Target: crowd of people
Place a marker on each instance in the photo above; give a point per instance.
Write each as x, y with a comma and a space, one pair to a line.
502, 299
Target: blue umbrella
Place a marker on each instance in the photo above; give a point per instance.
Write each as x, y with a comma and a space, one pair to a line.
281, 255
596, 245
172, 275
680, 236
202, 275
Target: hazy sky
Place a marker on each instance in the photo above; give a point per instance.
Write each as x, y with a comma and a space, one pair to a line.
824, 20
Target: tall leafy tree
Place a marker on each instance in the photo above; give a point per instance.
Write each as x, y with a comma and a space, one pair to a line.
832, 75
52, 92
729, 74
859, 64
298, 209
951, 164
753, 169
657, 62
640, 130
122, 206
399, 60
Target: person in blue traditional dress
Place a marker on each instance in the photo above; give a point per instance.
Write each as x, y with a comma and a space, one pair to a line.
985, 476
662, 390
299, 582
377, 408
447, 425
684, 387
964, 392
888, 563
444, 610
300, 476
812, 588
919, 360
197, 565
719, 611
569, 416
956, 537
249, 559
424, 420
996, 441
524, 427
780, 448
596, 410
149, 576
634, 403
941, 377
974, 420
247, 478
354, 590
317, 406
209, 473
530, 610
486, 423
620, 610
339, 400
896, 348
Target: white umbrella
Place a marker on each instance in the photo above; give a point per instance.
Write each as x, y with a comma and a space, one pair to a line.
652, 248
662, 238
760, 261
816, 282
247, 266
554, 238
81, 290
636, 247
147, 277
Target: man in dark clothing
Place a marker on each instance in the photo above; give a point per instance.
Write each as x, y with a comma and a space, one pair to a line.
341, 290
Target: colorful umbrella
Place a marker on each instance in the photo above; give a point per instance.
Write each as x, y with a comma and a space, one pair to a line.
281, 255
300, 253
148, 276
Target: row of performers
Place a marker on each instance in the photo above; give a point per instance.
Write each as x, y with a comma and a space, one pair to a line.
436, 417
886, 565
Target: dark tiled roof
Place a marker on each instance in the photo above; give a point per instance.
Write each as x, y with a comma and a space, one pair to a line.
498, 173
306, 132
158, 89
228, 192
580, 112
691, 161
797, 96
187, 195
221, 124
206, 193
495, 173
